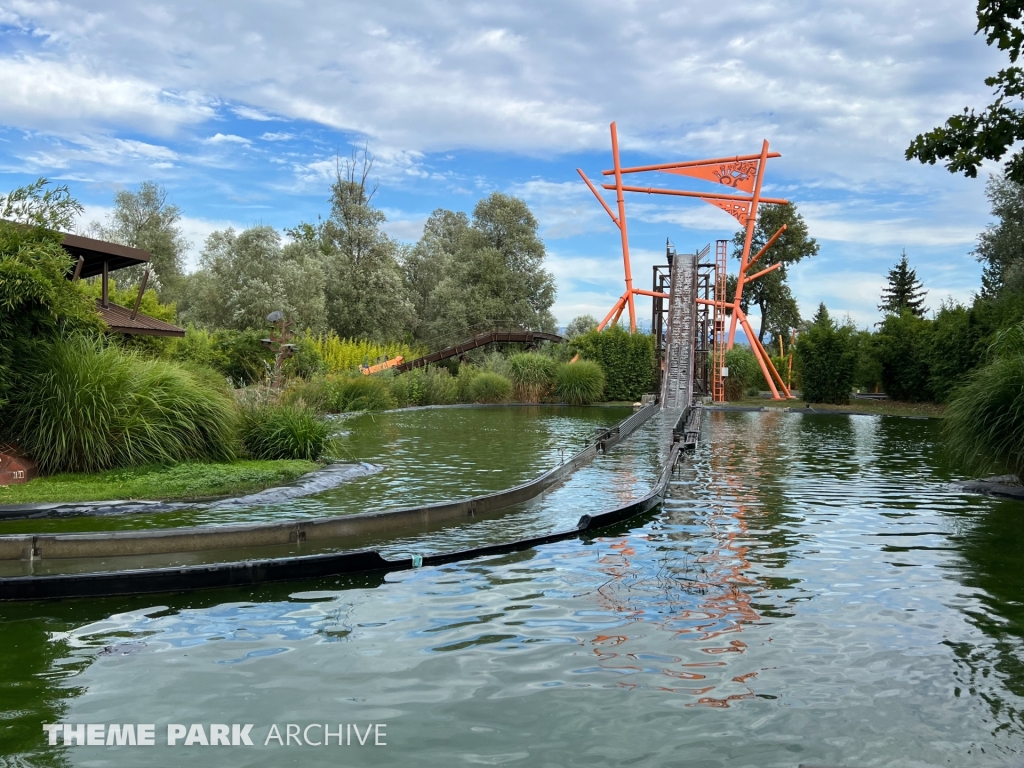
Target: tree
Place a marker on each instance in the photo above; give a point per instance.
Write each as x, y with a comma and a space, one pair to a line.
904, 345
904, 293
770, 293
968, 139
827, 357
244, 277
1001, 246
144, 219
580, 325
432, 260
365, 289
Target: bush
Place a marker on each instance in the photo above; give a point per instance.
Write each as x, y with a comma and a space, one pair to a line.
242, 357
744, 373
341, 394
984, 424
579, 383
425, 386
827, 356
284, 431
904, 345
957, 348
306, 361
467, 374
86, 407
348, 354
626, 359
490, 387
531, 375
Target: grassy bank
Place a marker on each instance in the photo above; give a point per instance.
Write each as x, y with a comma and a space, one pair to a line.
191, 480
881, 407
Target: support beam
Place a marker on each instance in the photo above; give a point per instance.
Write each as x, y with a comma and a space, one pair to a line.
687, 193
138, 299
744, 263
78, 269
769, 244
617, 308
765, 271
689, 163
621, 200
598, 196
105, 283
737, 313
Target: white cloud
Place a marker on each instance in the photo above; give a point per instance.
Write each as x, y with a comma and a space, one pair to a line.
226, 138
277, 136
248, 113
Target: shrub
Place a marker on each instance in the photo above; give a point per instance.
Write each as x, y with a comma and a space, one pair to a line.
626, 359
89, 407
579, 383
284, 431
348, 354
744, 373
957, 347
242, 357
467, 374
532, 376
341, 394
984, 424
425, 386
827, 356
904, 345
306, 361
490, 387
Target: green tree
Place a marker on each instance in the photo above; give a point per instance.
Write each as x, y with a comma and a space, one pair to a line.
580, 325
365, 290
431, 261
770, 293
968, 139
904, 292
904, 345
145, 219
243, 277
827, 356
1000, 247
37, 301
626, 358
958, 346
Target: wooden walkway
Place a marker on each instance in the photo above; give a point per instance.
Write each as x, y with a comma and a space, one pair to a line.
512, 336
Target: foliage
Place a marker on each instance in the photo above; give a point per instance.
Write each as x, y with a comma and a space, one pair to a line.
744, 372
627, 360
532, 376
579, 383
489, 387
188, 480
144, 219
904, 348
958, 346
341, 354
580, 325
968, 139
904, 292
342, 393
271, 430
306, 360
89, 407
245, 276
984, 424
827, 356
770, 293
1000, 247
425, 386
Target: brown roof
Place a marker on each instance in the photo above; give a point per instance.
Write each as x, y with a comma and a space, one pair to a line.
95, 252
119, 319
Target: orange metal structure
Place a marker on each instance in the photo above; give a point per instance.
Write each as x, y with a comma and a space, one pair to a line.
743, 173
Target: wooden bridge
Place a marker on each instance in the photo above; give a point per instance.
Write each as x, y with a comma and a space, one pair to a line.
494, 336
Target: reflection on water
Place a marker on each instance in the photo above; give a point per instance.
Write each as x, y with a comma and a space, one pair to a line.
815, 590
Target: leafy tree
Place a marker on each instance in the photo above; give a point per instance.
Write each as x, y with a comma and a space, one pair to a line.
1001, 246
904, 293
827, 357
770, 293
580, 325
244, 277
958, 346
431, 260
37, 301
144, 219
904, 345
968, 139
365, 290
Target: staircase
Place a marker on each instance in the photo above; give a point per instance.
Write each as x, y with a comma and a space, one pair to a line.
677, 381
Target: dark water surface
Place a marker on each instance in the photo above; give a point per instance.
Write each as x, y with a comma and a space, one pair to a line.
814, 591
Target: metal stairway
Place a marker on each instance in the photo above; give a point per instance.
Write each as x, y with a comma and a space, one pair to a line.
677, 381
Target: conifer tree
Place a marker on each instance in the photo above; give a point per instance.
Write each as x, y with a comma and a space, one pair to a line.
904, 291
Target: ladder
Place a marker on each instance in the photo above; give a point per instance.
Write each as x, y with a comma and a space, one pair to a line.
719, 340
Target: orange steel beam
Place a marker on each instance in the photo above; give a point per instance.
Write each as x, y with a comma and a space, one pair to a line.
597, 195
689, 163
622, 228
769, 244
687, 193
616, 308
618, 314
711, 303
765, 271
737, 313
771, 367
751, 219
655, 294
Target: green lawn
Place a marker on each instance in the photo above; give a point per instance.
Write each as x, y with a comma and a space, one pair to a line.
178, 481
881, 407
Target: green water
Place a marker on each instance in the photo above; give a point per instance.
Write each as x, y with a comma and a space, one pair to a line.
427, 455
815, 590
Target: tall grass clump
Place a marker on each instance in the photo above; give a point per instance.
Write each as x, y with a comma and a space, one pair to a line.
984, 424
488, 387
284, 431
425, 386
86, 407
579, 383
341, 393
532, 376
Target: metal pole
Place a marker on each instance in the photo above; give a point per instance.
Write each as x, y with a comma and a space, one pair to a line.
751, 220
622, 228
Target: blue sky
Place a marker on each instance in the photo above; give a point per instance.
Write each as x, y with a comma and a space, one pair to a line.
240, 109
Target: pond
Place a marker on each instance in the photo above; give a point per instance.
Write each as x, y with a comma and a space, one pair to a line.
815, 590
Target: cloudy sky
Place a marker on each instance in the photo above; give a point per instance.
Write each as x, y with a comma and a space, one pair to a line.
239, 110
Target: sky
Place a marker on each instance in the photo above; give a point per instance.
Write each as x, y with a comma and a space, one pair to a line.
240, 110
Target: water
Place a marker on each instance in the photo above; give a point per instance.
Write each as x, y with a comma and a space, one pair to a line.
815, 590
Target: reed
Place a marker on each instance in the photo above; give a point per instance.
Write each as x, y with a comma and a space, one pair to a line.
579, 383
285, 431
532, 376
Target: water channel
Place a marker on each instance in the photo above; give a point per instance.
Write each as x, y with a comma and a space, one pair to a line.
814, 590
